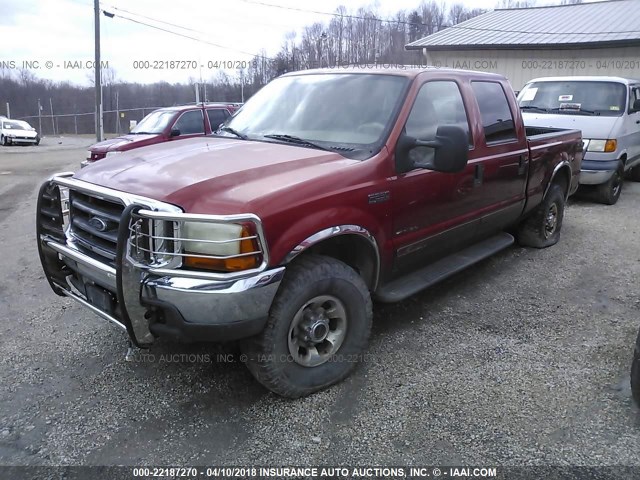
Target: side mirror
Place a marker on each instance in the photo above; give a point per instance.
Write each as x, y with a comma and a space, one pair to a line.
450, 155
636, 106
175, 132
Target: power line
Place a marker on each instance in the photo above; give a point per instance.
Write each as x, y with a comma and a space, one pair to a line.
355, 17
458, 26
111, 15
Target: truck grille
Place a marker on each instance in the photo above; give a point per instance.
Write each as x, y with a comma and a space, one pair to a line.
94, 225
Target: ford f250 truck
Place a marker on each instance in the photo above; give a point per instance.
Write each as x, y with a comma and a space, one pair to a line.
330, 188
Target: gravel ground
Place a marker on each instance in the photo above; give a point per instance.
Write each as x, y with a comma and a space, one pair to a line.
520, 360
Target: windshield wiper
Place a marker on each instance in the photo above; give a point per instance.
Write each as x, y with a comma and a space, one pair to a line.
296, 140
534, 107
574, 110
233, 131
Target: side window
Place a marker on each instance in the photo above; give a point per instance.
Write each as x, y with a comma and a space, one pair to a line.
216, 117
497, 119
634, 95
437, 103
190, 122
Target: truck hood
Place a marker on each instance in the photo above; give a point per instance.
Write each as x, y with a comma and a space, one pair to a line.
124, 142
592, 127
214, 175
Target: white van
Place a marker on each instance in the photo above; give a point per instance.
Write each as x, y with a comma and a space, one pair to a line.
606, 109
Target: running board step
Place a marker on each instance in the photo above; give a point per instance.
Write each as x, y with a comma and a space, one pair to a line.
414, 282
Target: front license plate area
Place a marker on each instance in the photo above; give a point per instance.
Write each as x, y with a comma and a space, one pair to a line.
101, 299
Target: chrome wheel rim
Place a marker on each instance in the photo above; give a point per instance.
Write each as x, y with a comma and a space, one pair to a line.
551, 221
317, 331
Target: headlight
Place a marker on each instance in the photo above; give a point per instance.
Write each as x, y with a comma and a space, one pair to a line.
609, 145
219, 246
110, 154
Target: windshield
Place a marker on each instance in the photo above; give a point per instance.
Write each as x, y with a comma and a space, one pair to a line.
155, 122
13, 126
586, 98
349, 113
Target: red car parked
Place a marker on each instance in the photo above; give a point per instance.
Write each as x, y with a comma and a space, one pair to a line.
164, 125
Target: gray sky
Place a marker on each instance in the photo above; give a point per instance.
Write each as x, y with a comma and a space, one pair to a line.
62, 31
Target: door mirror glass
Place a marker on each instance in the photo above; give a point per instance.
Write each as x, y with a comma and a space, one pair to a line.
636, 106
448, 152
175, 132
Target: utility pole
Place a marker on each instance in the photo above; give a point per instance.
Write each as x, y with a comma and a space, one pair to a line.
39, 117
117, 115
8, 111
98, 79
53, 125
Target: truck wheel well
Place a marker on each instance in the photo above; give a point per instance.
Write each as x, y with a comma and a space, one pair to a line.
563, 178
355, 251
623, 159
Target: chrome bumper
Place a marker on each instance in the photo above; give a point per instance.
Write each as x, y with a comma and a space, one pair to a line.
218, 310
148, 302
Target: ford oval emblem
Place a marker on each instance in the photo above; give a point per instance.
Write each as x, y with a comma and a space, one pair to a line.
98, 224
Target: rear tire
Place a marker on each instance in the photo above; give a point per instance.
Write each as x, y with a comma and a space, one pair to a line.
318, 327
609, 192
542, 228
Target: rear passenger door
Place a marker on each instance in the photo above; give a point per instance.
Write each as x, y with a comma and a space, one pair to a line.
502, 166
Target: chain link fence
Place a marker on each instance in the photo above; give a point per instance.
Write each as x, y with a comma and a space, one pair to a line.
114, 122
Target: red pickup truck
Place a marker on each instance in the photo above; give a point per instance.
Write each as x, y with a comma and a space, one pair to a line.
327, 190
164, 125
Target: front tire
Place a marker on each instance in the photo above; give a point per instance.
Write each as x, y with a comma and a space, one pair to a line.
634, 174
635, 372
318, 327
609, 192
542, 228
37, 141
3, 140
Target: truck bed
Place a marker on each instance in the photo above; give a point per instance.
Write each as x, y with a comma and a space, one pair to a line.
552, 146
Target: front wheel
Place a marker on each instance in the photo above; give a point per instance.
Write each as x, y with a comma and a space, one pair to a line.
318, 327
634, 174
609, 192
635, 372
3, 140
542, 228
37, 141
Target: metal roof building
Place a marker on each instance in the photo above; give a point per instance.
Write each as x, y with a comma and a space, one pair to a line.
601, 38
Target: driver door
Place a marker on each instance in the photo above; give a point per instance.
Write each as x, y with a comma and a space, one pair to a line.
434, 213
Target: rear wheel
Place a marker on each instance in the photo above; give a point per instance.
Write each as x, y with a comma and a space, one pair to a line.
318, 326
542, 228
609, 192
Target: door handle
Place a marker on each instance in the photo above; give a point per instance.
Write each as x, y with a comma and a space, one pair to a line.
479, 175
522, 163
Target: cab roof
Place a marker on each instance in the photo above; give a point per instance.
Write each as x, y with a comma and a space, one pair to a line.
397, 70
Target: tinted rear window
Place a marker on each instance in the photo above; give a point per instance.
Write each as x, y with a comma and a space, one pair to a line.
497, 119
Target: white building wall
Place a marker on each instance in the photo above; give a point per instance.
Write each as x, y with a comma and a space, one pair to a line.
519, 66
